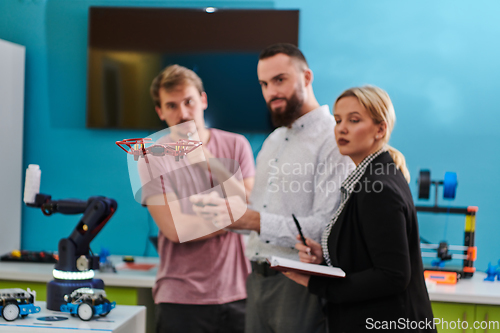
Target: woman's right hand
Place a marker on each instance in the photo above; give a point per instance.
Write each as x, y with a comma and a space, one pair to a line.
312, 253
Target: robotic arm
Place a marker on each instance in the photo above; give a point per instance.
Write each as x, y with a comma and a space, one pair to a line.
76, 265
74, 251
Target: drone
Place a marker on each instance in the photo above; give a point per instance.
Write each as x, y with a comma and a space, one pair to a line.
137, 148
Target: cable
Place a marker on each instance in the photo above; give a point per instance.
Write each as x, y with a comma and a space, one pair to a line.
447, 219
150, 230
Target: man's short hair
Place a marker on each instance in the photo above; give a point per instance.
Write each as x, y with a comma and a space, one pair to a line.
173, 77
286, 48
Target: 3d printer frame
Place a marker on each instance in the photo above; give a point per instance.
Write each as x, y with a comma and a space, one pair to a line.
469, 248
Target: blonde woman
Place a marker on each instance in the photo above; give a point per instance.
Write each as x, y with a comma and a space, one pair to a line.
373, 236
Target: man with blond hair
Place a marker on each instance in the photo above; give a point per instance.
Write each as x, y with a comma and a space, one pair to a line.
200, 284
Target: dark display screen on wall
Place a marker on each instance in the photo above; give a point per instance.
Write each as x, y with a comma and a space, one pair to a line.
128, 47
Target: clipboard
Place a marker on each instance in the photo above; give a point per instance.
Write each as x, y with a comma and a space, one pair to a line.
288, 265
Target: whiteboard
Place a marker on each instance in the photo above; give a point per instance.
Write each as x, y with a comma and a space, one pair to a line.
12, 59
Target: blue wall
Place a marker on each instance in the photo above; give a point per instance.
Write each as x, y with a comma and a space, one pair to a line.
438, 61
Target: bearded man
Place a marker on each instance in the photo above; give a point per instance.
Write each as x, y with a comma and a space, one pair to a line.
299, 171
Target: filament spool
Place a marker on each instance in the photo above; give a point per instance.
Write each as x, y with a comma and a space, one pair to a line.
424, 184
450, 185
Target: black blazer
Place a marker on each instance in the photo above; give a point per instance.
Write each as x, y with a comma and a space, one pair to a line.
376, 242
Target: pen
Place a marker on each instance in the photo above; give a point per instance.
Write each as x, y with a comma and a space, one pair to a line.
300, 231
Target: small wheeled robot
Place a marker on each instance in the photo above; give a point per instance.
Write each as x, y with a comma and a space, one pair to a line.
87, 303
17, 302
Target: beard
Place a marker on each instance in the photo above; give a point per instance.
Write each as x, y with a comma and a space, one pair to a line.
285, 116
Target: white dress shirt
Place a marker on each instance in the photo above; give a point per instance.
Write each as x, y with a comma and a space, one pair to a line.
299, 171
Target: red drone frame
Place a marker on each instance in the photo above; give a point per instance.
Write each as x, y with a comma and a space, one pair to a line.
179, 149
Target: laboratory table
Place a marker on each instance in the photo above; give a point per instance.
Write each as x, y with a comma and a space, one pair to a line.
469, 298
122, 319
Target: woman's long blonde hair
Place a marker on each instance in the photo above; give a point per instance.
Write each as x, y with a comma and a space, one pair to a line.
377, 102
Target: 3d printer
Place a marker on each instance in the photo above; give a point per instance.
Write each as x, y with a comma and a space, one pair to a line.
443, 251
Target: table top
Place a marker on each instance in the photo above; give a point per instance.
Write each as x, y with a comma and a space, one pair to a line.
42, 272
474, 290
126, 319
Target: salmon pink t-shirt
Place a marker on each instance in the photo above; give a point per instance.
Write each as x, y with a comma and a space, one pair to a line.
211, 271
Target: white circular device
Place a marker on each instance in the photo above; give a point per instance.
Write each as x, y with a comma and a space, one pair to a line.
10, 312
82, 263
85, 311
